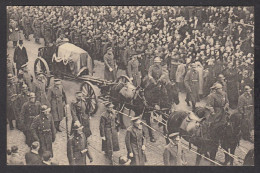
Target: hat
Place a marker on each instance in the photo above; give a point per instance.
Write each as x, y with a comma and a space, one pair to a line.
174, 134
109, 105
14, 149
216, 86
20, 41
247, 88
77, 125
44, 108
35, 145
157, 59
32, 95
10, 76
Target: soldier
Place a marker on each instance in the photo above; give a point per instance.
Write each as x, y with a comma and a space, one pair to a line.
218, 103
36, 26
155, 72
14, 32
43, 130
135, 142
11, 100
246, 109
221, 80
133, 71
110, 65
79, 112
77, 147
58, 99
39, 88
191, 82
48, 35
33, 157
20, 56
27, 77
29, 111
26, 26
108, 132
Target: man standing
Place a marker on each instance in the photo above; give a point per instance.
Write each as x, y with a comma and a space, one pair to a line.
133, 70
191, 82
246, 109
77, 147
20, 56
110, 65
80, 113
108, 132
29, 111
58, 99
37, 29
33, 157
155, 72
135, 142
43, 130
40, 89
27, 77
26, 26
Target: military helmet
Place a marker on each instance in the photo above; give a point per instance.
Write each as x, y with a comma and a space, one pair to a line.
157, 59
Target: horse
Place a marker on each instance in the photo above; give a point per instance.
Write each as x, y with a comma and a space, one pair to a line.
199, 132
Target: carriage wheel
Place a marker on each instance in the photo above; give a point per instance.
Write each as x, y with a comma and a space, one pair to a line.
90, 97
41, 66
123, 79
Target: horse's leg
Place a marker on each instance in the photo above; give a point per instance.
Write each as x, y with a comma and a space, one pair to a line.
198, 158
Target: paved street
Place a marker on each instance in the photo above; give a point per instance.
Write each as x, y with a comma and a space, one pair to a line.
154, 151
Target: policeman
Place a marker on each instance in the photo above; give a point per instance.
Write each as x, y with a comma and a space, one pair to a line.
246, 109
43, 130
133, 71
77, 146
29, 111
80, 113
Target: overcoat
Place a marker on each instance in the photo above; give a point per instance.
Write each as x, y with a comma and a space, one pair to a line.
33, 159
191, 82
109, 62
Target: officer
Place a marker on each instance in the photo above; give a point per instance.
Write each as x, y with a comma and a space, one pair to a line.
108, 132
39, 88
29, 111
80, 113
77, 146
133, 70
58, 99
135, 142
43, 130
33, 157
191, 82
155, 72
246, 109
37, 29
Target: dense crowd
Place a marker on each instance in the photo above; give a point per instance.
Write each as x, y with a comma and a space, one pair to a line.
216, 43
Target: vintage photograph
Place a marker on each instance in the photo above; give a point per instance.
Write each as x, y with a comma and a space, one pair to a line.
130, 85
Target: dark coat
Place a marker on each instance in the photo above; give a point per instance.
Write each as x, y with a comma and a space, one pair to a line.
57, 98
12, 89
36, 26
133, 71
191, 82
43, 130
40, 92
109, 63
33, 159
79, 112
108, 130
21, 99
75, 145
134, 140
20, 57
26, 25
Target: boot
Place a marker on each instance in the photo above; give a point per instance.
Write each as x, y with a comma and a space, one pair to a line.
188, 103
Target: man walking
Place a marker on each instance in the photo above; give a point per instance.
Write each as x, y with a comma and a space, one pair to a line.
20, 56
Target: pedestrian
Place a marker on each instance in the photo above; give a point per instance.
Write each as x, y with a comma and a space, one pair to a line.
80, 112
20, 56
173, 154
110, 65
26, 26
46, 159
135, 142
43, 130
29, 111
32, 157
15, 158
39, 88
57, 98
108, 132
133, 70
246, 109
77, 147
191, 82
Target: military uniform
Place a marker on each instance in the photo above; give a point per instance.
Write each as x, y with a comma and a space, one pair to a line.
28, 79
26, 26
173, 155
246, 109
43, 130
75, 145
37, 29
133, 71
107, 127
79, 112
155, 72
33, 158
40, 92
29, 111
11, 103
21, 99
48, 35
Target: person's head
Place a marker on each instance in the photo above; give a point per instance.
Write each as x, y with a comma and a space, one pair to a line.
79, 95
20, 42
217, 87
221, 77
175, 137
14, 149
248, 89
193, 66
24, 88
32, 97
109, 106
157, 61
46, 156
77, 127
10, 77
137, 122
57, 82
44, 109
35, 146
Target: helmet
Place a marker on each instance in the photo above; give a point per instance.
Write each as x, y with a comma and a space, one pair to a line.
157, 59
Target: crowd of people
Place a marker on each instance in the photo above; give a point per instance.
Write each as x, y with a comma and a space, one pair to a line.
207, 51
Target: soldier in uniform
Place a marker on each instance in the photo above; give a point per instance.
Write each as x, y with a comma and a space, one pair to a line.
155, 72
39, 87
26, 26
108, 132
29, 111
110, 66
133, 70
11, 100
218, 103
37, 29
135, 142
77, 147
191, 82
33, 157
58, 99
27, 77
48, 34
246, 109
79, 112
43, 130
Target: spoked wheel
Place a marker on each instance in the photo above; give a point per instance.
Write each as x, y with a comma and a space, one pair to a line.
41, 66
90, 97
123, 79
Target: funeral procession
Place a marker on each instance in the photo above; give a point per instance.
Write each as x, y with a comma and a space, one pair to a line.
130, 85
